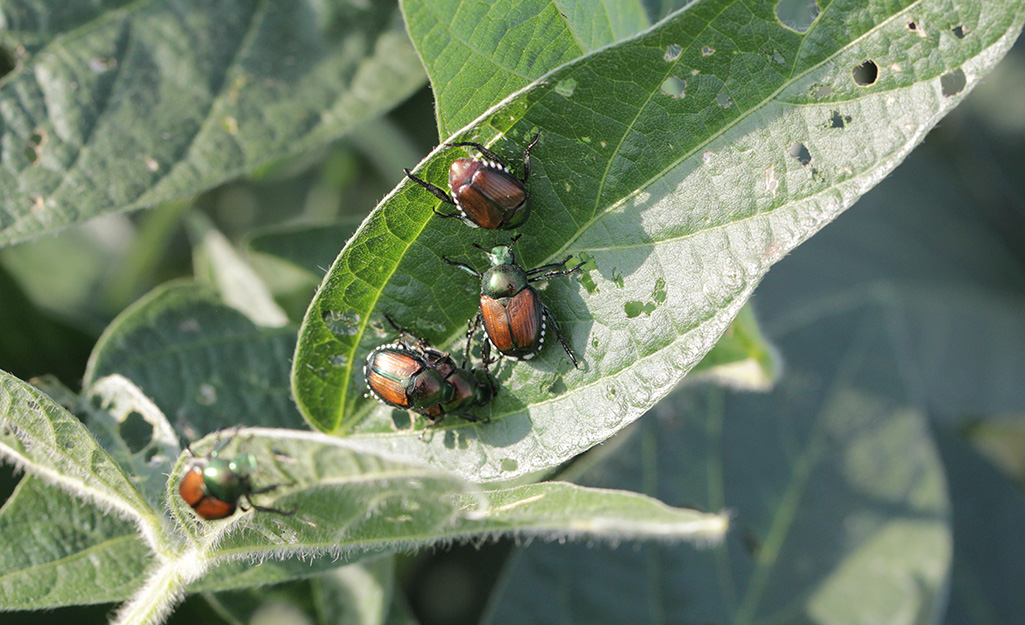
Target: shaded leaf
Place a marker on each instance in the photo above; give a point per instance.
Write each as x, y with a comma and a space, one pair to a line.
205, 364
357, 594
172, 98
742, 358
836, 493
989, 517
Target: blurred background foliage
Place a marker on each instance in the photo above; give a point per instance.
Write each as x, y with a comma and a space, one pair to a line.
948, 225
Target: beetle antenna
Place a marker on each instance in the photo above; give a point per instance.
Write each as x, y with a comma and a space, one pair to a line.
485, 250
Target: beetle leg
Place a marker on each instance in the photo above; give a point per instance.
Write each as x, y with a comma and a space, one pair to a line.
420, 341
471, 328
486, 153
549, 266
267, 508
526, 158
555, 274
437, 192
468, 269
558, 334
475, 419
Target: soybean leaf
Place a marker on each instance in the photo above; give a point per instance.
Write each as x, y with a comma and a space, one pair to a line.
683, 163
835, 489
310, 249
989, 517
43, 438
204, 364
568, 509
171, 98
219, 264
742, 358
351, 506
357, 594
58, 552
950, 287
477, 53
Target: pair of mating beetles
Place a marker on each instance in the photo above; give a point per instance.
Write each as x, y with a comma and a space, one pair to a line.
412, 375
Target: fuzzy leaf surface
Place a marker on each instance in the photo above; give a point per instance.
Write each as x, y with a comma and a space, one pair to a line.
679, 196
59, 552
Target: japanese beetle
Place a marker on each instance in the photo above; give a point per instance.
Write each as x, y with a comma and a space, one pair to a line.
486, 194
214, 486
412, 375
511, 310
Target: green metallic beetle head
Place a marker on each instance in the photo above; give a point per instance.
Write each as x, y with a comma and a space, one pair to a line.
228, 480
501, 255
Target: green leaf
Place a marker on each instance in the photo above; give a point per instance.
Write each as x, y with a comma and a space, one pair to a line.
59, 552
309, 248
239, 286
478, 53
357, 594
567, 509
945, 278
173, 98
694, 196
43, 438
835, 491
742, 358
989, 518
203, 363
134, 432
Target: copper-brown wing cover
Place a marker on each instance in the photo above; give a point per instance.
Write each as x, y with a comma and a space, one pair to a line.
512, 327
399, 367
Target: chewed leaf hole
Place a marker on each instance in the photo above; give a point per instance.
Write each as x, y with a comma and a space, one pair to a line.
836, 120
673, 52
797, 15
958, 31
800, 152
674, 87
953, 83
821, 91
723, 100
866, 73
566, 87
136, 432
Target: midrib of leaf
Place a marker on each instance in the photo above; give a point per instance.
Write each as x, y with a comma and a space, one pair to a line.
147, 521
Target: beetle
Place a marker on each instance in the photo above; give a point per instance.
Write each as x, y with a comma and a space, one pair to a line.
510, 308
214, 486
486, 194
412, 375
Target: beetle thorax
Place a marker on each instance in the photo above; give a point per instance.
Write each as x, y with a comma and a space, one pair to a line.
460, 171
503, 281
